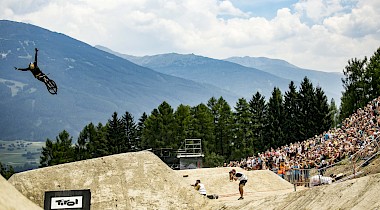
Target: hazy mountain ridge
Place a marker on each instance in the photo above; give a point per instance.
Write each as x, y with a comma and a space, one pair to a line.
233, 77
329, 81
259, 62
257, 74
92, 84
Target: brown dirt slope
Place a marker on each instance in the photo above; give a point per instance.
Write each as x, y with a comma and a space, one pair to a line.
265, 190
216, 181
137, 180
361, 193
11, 199
142, 181
371, 168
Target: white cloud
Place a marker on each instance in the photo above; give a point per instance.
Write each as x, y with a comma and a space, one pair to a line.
362, 21
226, 7
317, 34
317, 10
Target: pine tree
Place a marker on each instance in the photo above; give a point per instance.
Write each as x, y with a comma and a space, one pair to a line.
222, 123
242, 128
167, 125
47, 154
6, 171
322, 116
307, 109
84, 149
116, 135
355, 94
100, 142
258, 108
361, 83
334, 113
274, 131
224, 127
182, 120
130, 132
159, 128
214, 110
373, 72
58, 152
140, 128
151, 132
291, 115
202, 127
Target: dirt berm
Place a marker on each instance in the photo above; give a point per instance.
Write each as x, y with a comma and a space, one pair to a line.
362, 193
217, 182
137, 180
11, 199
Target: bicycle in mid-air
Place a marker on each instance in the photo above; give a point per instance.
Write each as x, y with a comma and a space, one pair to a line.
50, 84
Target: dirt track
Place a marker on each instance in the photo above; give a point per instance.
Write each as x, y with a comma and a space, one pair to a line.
142, 181
362, 193
217, 182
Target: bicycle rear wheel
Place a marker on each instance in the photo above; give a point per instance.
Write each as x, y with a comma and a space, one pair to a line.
51, 86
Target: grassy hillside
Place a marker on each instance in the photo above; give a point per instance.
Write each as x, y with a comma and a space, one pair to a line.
19, 152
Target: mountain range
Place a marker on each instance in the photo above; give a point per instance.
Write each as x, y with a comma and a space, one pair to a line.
94, 82
241, 75
329, 81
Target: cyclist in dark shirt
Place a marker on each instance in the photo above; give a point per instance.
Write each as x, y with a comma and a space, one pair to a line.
33, 67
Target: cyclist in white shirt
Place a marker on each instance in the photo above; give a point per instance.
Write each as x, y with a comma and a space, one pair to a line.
200, 187
242, 178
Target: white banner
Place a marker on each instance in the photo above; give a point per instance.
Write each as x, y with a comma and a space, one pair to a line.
66, 202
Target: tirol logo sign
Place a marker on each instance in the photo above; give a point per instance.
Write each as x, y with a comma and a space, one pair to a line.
68, 199
66, 202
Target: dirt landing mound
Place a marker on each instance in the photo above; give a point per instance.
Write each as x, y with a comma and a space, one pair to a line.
216, 181
362, 193
137, 180
11, 199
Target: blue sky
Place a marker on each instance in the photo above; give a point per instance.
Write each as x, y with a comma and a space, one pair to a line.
315, 34
263, 8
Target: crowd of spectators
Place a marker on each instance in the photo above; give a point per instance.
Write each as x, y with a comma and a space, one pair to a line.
355, 135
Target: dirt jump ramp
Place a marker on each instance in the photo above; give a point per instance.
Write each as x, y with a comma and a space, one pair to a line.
138, 180
142, 181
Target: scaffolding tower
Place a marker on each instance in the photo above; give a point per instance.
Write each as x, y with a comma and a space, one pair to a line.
191, 155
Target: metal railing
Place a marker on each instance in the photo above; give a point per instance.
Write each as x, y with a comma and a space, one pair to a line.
349, 168
365, 155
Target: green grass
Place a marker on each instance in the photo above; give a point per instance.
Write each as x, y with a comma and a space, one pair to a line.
11, 152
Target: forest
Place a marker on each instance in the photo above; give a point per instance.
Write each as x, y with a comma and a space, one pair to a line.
227, 133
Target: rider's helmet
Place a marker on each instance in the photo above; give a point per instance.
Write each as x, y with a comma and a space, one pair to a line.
31, 65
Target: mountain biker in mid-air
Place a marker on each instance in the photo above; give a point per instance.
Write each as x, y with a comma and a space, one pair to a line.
37, 73
33, 67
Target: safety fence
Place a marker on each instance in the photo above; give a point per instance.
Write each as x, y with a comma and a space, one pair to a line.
343, 170
310, 177
362, 157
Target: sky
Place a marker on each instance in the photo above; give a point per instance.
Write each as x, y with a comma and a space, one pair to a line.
314, 34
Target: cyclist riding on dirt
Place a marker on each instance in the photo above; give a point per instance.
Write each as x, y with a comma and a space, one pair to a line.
33, 67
